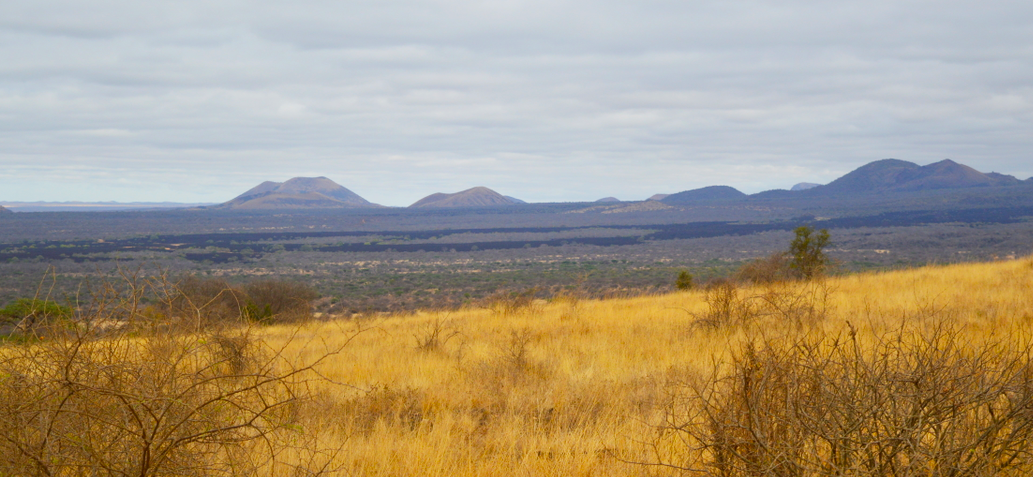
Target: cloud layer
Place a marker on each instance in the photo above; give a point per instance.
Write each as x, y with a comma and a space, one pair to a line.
542, 100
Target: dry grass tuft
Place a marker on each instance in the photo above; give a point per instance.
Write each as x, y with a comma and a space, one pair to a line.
893, 373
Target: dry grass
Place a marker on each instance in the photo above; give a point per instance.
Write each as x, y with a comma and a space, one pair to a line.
581, 387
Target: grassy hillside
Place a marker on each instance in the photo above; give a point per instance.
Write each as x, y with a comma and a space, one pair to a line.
574, 387
706, 381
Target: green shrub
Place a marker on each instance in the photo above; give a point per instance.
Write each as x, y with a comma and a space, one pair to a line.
28, 312
808, 252
684, 281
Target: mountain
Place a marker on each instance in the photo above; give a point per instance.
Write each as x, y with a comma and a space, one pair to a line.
804, 186
894, 175
515, 200
658, 196
97, 206
476, 197
4, 210
297, 193
704, 194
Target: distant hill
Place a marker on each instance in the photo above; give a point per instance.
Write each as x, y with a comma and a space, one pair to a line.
475, 197
514, 199
658, 196
893, 175
96, 206
4, 210
608, 199
704, 194
804, 186
297, 193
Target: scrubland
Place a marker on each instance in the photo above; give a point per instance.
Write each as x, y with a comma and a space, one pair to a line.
584, 387
914, 372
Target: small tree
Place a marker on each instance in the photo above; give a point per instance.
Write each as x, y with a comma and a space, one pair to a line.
684, 281
808, 252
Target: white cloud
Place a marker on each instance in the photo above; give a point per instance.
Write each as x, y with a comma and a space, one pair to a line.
543, 100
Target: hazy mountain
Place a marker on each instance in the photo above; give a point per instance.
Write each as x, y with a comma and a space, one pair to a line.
514, 199
475, 197
804, 186
704, 194
890, 175
658, 196
5, 211
263, 188
609, 199
96, 206
299, 192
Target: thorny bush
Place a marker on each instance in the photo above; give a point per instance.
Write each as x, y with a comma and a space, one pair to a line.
906, 403
114, 393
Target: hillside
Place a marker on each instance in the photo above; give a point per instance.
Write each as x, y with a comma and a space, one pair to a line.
893, 175
475, 197
297, 193
3, 210
704, 194
581, 387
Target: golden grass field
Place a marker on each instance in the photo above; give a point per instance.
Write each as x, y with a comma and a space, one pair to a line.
578, 387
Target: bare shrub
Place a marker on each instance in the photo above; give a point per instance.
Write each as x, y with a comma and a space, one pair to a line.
770, 269
279, 301
100, 398
204, 301
401, 407
726, 305
435, 335
507, 303
910, 403
797, 303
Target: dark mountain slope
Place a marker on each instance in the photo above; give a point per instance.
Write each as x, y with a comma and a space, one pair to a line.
893, 175
297, 193
475, 197
704, 194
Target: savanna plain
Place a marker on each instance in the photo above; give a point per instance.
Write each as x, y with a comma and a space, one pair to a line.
924, 371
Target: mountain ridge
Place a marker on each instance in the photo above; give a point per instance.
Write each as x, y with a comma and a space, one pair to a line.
297, 192
720, 192
895, 175
473, 197
885, 176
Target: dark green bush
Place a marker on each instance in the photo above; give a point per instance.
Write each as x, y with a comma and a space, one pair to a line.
684, 281
808, 252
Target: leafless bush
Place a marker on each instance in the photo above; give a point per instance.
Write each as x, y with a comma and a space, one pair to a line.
279, 301
797, 303
509, 303
402, 407
726, 305
435, 335
206, 302
101, 397
909, 404
770, 269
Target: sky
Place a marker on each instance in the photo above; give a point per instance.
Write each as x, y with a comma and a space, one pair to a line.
543, 100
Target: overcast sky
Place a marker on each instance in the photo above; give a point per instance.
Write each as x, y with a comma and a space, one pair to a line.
544, 100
